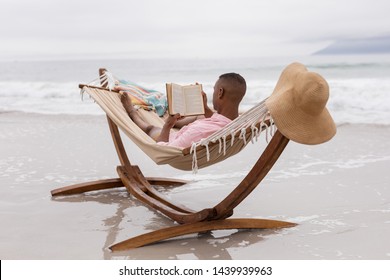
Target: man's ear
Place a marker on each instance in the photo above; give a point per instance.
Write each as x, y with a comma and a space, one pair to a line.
221, 92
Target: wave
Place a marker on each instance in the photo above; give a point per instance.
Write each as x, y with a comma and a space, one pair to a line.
351, 100
359, 87
45, 98
360, 100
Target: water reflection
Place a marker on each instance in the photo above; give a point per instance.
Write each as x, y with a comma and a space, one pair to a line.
121, 225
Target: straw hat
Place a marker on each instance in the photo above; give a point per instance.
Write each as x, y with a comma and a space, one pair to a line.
297, 106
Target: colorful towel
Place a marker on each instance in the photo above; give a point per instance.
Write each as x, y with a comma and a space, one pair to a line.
146, 98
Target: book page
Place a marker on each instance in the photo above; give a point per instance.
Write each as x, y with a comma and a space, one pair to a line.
178, 105
193, 100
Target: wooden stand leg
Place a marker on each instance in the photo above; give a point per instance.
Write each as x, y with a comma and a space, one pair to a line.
180, 230
166, 182
89, 186
111, 184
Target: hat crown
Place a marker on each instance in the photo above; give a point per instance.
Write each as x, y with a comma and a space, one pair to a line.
311, 93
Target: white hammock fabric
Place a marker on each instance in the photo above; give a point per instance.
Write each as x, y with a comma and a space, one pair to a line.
220, 145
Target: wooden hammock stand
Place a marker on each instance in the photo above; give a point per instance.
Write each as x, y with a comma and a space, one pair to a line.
190, 221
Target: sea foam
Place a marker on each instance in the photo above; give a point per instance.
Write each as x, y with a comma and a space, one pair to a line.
359, 92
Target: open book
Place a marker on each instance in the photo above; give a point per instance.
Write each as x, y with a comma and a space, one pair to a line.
185, 100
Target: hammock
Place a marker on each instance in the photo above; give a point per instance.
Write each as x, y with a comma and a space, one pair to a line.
220, 145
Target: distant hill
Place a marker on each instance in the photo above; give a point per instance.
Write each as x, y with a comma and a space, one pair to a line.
358, 46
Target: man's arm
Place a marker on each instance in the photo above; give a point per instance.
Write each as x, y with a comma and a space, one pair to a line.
166, 129
187, 120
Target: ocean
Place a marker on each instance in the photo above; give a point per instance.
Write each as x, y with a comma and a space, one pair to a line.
359, 85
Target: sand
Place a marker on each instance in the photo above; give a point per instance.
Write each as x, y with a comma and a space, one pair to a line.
337, 192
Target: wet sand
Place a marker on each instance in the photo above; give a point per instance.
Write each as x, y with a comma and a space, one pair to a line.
337, 192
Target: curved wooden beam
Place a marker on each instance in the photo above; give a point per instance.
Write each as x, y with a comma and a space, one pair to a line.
261, 168
89, 186
165, 182
180, 230
111, 184
171, 210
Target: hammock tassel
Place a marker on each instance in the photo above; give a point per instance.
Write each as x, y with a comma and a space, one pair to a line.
272, 125
111, 82
242, 135
255, 133
224, 144
220, 145
206, 145
232, 134
194, 158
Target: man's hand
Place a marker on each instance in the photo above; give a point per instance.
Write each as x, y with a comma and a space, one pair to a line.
207, 111
204, 95
171, 120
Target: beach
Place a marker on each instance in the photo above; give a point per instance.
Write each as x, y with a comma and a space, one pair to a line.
338, 194
54, 134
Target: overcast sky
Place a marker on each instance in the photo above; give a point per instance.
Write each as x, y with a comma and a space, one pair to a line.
181, 28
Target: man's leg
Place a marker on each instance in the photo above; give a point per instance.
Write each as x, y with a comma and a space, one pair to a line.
151, 130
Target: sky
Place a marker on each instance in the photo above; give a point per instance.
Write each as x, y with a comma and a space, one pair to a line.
184, 29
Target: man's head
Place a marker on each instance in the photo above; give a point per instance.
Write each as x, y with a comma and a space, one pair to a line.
229, 90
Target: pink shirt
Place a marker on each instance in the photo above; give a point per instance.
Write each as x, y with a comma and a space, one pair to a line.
197, 130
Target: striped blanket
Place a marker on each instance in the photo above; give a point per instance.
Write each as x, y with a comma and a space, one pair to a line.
145, 98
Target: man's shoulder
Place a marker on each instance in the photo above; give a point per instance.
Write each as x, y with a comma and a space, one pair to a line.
220, 117
215, 119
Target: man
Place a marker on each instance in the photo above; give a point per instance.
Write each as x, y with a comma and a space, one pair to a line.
229, 90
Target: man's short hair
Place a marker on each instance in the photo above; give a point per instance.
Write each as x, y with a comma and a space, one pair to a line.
234, 77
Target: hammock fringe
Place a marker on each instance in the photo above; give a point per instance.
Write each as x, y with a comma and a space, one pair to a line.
254, 137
